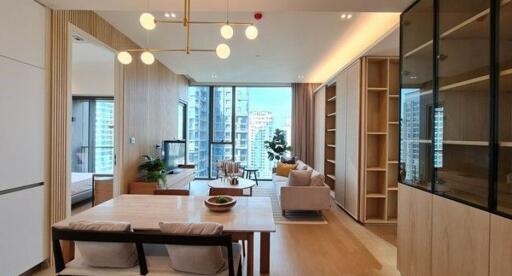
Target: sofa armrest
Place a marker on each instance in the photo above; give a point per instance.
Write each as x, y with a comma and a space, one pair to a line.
305, 197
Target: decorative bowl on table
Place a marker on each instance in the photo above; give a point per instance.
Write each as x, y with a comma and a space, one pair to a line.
220, 203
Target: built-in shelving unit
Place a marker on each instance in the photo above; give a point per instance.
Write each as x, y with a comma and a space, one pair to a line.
330, 136
381, 132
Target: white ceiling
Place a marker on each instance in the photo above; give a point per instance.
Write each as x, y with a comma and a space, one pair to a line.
297, 38
235, 5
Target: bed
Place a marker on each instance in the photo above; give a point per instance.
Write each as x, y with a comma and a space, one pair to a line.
81, 187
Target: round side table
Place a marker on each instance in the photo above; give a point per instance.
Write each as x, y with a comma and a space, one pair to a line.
249, 172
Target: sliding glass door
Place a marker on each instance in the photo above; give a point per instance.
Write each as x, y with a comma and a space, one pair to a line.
232, 123
92, 135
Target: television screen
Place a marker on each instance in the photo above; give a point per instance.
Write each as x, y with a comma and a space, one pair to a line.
173, 154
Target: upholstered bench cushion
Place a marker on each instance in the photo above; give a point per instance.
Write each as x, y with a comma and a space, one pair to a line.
157, 265
103, 254
195, 259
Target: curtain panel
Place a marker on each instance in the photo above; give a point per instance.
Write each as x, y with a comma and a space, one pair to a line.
303, 121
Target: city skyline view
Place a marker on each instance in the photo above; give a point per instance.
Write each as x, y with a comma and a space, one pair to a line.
258, 112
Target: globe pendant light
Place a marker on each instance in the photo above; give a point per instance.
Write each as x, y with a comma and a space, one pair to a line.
226, 31
147, 57
147, 21
124, 57
251, 32
223, 51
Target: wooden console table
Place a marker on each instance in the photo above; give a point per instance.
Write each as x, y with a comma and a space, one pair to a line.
180, 180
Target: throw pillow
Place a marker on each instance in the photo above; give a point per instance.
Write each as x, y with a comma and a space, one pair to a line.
288, 160
317, 179
284, 169
301, 165
299, 178
103, 254
195, 259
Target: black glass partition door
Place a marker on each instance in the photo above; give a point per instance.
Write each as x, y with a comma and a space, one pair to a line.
504, 186
416, 95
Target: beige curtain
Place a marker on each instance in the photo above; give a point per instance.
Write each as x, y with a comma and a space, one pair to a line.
303, 121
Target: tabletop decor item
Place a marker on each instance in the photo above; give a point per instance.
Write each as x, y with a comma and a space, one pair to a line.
220, 203
233, 181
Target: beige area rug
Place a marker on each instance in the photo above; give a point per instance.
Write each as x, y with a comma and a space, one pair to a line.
266, 189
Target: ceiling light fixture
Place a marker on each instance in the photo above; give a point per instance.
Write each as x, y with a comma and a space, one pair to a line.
343, 16
167, 15
226, 31
148, 22
147, 58
349, 16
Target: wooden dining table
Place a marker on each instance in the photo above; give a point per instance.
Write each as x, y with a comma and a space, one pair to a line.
249, 216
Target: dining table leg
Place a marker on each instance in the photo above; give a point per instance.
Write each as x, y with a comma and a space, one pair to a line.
264, 252
250, 254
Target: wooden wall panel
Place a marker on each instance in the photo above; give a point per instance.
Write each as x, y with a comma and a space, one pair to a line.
460, 239
150, 96
414, 232
319, 129
501, 246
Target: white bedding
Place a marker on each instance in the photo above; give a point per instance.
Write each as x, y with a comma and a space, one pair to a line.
80, 182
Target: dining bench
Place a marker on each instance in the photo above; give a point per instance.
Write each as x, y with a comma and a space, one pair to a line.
147, 264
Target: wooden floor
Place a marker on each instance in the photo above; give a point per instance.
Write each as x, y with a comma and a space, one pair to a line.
341, 247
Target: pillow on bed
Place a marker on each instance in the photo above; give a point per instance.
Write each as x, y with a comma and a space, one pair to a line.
103, 254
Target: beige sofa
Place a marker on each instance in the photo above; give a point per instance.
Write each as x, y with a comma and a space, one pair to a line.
302, 198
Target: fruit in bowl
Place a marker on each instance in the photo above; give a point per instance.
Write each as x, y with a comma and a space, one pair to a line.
220, 203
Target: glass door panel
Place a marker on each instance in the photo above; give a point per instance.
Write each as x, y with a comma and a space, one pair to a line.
463, 100
416, 95
222, 114
104, 136
198, 125
220, 152
505, 111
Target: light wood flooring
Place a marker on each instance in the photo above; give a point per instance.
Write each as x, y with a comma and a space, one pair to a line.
341, 247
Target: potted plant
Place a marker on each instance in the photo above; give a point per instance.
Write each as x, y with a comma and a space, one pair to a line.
278, 146
153, 171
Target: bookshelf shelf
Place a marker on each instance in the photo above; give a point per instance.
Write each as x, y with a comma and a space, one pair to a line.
330, 136
381, 148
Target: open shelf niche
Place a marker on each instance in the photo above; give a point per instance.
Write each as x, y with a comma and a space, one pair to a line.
330, 136
381, 129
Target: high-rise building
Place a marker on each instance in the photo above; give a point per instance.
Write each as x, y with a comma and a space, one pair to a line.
197, 127
260, 129
104, 136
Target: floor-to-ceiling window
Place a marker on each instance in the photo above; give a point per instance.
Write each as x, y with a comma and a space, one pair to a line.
93, 135
242, 118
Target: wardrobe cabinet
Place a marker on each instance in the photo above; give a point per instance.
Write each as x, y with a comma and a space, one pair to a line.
348, 92
456, 138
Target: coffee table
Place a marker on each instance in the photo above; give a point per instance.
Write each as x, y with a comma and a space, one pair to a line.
243, 183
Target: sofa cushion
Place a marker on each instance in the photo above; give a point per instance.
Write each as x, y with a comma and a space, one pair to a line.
301, 165
102, 254
284, 169
299, 177
195, 259
317, 179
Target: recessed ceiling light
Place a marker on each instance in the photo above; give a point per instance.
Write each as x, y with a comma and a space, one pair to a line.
173, 15
349, 16
214, 76
167, 15
343, 16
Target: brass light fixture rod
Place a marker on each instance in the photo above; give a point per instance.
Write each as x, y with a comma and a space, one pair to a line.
168, 50
203, 22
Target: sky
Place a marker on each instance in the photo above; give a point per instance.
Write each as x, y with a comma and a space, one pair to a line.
277, 100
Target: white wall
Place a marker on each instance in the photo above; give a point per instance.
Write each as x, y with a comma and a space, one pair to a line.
24, 117
92, 70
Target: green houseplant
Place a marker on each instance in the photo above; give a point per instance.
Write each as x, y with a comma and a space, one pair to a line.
153, 170
277, 147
